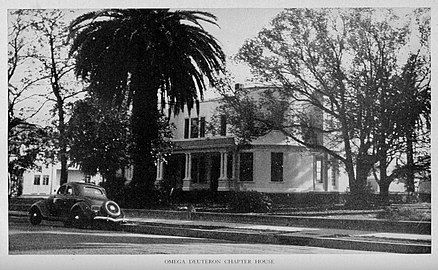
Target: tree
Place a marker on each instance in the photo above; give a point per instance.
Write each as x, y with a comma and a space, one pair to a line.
52, 54
338, 63
99, 138
403, 116
23, 76
27, 144
48, 71
133, 57
26, 141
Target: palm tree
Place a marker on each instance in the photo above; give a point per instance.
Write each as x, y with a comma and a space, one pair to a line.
137, 57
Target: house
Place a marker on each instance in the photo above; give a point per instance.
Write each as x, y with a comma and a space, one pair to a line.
272, 163
45, 180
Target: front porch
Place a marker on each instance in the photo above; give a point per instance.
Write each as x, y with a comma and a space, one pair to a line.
201, 164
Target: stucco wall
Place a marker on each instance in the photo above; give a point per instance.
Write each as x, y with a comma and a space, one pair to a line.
297, 173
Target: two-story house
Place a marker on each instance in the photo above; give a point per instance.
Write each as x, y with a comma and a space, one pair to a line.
202, 160
272, 163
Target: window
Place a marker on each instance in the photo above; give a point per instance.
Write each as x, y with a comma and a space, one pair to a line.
36, 180
186, 128
45, 180
335, 170
199, 169
318, 170
93, 192
202, 127
194, 128
246, 167
276, 167
69, 191
223, 131
62, 189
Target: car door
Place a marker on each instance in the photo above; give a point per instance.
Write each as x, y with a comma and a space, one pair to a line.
71, 197
57, 202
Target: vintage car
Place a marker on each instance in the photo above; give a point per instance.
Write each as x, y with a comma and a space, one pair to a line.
77, 204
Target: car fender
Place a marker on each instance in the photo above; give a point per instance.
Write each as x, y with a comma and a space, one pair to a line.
42, 207
84, 208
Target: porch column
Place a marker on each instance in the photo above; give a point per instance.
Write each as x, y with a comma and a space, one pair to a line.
160, 167
325, 172
187, 181
223, 181
233, 180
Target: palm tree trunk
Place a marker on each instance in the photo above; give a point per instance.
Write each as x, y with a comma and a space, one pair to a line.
144, 127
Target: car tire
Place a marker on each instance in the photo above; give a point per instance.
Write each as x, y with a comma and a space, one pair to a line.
35, 216
112, 209
77, 219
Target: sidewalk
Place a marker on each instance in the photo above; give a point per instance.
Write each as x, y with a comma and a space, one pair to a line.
280, 235
285, 235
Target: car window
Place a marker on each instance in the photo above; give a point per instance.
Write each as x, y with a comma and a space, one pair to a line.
69, 191
93, 192
61, 190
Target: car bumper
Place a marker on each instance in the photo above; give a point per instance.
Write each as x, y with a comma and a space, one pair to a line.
116, 220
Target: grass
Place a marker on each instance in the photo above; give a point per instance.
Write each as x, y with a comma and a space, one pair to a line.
408, 212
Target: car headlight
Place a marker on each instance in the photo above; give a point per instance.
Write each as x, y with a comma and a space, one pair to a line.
95, 208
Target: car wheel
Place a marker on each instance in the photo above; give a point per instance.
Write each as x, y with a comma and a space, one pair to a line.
112, 209
35, 216
77, 219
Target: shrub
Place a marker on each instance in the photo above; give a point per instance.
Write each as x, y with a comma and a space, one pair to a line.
403, 213
114, 188
248, 202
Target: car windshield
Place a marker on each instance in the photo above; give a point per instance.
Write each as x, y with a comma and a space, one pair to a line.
93, 192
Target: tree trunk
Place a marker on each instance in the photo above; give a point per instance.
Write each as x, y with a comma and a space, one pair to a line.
384, 191
60, 107
359, 194
144, 128
410, 187
62, 143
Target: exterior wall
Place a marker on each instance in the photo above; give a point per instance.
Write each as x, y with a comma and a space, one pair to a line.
206, 110
28, 181
54, 174
299, 164
298, 173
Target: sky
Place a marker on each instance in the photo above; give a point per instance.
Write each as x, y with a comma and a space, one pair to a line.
234, 27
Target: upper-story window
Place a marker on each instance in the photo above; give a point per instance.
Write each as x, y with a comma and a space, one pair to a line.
36, 180
223, 130
45, 180
194, 127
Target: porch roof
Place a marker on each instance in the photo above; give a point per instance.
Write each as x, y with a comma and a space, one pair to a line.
208, 143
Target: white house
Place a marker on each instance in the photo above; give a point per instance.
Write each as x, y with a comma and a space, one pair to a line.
45, 180
272, 163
